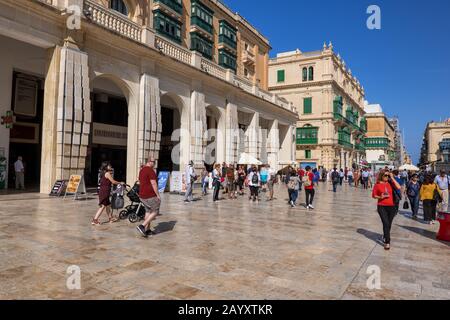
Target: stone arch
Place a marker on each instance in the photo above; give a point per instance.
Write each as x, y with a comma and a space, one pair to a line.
137, 9
445, 135
215, 119
175, 137
113, 85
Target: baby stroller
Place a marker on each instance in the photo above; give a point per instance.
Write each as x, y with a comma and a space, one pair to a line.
135, 211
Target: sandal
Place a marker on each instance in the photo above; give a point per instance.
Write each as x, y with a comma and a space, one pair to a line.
95, 222
113, 219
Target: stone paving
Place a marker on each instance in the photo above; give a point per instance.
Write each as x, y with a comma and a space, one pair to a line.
234, 249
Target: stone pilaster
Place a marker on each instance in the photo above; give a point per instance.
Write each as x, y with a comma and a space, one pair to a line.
253, 133
232, 134
273, 144
197, 128
149, 124
67, 101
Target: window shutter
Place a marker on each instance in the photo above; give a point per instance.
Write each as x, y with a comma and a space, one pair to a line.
280, 76
307, 105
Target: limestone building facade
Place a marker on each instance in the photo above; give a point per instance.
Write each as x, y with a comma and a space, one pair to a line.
90, 80
380, 138
330, 103
435, 152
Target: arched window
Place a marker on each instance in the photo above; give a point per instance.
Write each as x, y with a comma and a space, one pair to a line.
311, 74
305, 74
119, 6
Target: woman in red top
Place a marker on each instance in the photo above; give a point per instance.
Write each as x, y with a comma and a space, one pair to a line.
384, 193
307, 180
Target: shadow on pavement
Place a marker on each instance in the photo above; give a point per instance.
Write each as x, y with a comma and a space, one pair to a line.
426, 233
374, 236
165, 227
408, 215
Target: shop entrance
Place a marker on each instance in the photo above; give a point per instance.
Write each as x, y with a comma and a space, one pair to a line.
109, 132
26, 133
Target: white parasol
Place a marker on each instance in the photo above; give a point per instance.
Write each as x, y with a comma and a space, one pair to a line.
249, 160
409, 167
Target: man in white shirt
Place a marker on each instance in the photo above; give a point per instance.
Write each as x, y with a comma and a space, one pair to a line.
442, 182
365, 178
20, 174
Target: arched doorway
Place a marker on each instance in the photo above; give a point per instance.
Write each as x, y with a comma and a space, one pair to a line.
215, 146
109, 129
171, 109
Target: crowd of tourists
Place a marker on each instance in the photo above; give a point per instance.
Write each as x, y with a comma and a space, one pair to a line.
389, 187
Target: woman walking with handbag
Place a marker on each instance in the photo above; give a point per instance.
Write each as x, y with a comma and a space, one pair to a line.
106, 181
384, 192
430, 196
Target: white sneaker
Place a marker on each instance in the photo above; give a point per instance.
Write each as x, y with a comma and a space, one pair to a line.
311, 207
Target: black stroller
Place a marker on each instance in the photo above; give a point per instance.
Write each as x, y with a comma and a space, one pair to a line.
135, 211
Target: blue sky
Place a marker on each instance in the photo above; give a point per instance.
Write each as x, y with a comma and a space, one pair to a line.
405, 66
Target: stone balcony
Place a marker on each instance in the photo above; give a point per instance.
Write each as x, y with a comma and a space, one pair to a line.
116, 23
248, 58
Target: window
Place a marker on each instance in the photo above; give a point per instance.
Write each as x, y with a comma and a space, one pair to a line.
245, 72
167, 26
227, 34
305, 74
227, 60
307, 105
119, 6
202, 16
307, 135
311, 74
280, 76
307, 154
202, 45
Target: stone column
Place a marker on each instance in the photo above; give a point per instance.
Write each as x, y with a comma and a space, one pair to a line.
273, 145
253, 135
149, 115
197, 127
232, 134
67, 99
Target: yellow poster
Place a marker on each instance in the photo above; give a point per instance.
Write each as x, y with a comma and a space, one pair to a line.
74, 183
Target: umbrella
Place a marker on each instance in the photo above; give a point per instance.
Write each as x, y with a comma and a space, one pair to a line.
409, 167
248, 159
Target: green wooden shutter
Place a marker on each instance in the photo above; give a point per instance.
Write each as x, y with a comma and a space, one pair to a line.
307, 105
280, 76
307, 154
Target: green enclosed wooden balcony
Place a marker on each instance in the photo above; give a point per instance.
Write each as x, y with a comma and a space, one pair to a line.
345, 143
307, 136
377, 143
175, 5
227, 41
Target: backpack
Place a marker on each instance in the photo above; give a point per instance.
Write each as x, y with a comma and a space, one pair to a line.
255, 178
292, 184
335, 176
306, 181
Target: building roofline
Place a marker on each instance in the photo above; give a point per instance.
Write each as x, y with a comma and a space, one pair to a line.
240, 19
